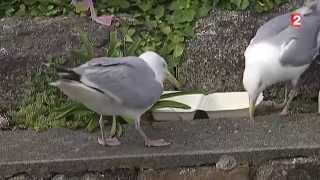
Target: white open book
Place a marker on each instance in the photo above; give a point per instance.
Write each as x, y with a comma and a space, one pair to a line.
216, 105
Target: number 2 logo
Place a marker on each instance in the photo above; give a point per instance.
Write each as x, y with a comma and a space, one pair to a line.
295, 20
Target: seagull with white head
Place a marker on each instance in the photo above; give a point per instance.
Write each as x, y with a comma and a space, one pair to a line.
124, 86
280, 52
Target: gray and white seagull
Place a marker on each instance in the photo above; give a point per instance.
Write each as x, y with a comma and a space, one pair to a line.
280, 52
126, 86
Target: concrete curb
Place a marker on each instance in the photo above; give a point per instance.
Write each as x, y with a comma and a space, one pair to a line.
196, 143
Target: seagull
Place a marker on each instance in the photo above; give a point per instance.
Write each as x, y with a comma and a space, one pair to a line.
280, 52
122, 86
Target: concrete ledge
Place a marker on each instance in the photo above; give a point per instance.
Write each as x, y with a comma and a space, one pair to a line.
196, 143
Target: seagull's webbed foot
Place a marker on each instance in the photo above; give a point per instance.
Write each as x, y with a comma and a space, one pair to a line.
285, 110
147, 141
155, 143
111, 141
103, 20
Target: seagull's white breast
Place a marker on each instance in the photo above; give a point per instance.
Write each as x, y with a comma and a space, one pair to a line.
264, 59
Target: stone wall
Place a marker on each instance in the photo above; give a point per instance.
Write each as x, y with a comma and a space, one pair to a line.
291, 169
214, 58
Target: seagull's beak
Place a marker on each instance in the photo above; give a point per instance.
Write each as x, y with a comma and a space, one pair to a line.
172, 79
252, 104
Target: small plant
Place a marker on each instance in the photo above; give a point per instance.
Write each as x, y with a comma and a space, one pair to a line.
258, 5
35, 8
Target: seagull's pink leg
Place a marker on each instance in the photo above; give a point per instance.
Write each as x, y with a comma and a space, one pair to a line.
104, 20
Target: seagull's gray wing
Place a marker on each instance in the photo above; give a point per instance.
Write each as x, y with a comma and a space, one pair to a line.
128, 80
300, 46
271, 28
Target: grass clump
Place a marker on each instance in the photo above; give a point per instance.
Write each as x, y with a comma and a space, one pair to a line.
45, 106
42, 107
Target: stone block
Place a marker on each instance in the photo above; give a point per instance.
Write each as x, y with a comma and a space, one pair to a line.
195, 173
293, 169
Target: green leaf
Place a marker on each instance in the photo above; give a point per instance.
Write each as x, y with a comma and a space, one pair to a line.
9, 11
176, 38
244, 4
92, 125
184, 15
180, 93
215, 2
119, 129
131, 31
70, 109
178, 50
50, 7
81, 6
21, 11
128, 38
259, 8
87, 45
204, 10
124, 4
145, 5
169, 104
236, 2
128, 119
165, 29
269, 4
159, 11
179, 4
241, 4
133, 48
188, 31
114, 45
278, 2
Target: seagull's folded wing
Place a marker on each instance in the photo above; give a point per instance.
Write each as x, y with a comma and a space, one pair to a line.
128, 81
272, 28
300, 46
